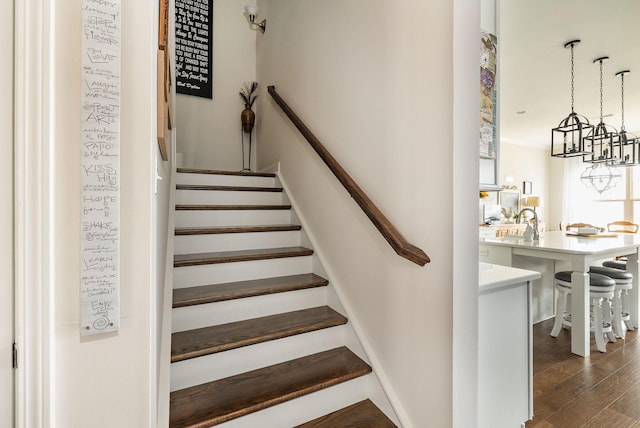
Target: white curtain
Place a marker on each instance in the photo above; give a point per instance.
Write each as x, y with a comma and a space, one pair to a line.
576, 198
581, 204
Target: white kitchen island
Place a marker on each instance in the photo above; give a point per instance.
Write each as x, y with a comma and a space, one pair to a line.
505, 346
577, 254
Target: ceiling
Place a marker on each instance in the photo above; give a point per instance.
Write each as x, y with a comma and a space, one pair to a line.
534, 67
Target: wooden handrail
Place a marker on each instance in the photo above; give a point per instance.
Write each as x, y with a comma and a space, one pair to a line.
390, 233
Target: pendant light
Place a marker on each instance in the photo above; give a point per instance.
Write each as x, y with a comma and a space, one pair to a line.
567, 138
600, 141
601, 177
627, 145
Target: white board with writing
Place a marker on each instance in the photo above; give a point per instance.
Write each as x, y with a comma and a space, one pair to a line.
100, 168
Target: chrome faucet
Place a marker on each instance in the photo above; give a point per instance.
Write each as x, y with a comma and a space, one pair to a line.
536, 233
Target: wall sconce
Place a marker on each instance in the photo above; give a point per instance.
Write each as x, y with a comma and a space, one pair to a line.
252, 11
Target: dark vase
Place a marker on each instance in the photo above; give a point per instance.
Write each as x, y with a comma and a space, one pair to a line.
248, 118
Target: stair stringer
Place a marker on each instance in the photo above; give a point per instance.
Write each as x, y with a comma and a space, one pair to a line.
163, 371
382, 392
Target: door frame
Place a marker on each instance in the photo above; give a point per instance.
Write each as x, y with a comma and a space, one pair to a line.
7, 375
33, 74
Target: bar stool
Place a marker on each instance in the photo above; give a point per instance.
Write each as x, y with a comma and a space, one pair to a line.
616, 264
601, 293
621, 303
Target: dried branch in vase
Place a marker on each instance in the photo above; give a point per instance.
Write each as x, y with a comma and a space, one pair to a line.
247, 93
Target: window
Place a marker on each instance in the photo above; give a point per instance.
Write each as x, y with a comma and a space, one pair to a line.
586, 205
612, 204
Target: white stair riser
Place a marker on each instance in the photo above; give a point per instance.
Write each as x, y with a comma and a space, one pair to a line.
305, 408
224, 180
203, 218
197, 316
190, 276
229, 363
227, 197
188, 244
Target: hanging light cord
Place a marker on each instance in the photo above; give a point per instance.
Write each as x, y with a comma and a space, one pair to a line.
572, 87
601, 93
622, 99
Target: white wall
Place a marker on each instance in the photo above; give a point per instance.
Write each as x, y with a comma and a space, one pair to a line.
374, 81
104, 381
527, 163
208, 131
466, 98
6, 214
556, 189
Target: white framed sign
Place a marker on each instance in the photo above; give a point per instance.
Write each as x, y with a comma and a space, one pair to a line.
100, 168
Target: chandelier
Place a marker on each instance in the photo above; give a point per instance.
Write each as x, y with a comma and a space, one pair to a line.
567, 138
600, 177
627, 144
602, 145
601, 139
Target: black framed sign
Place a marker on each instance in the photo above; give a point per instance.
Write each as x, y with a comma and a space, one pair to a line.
194, 37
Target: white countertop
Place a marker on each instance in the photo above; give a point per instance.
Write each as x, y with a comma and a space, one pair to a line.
559, 241
496, 276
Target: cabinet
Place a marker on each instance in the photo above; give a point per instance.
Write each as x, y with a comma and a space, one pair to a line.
505, 347
489, 173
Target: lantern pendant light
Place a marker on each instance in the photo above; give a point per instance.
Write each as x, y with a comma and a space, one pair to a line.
567, 139
600, 141
627, 145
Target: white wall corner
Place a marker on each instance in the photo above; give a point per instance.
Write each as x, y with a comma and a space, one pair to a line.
271, 168
465, 172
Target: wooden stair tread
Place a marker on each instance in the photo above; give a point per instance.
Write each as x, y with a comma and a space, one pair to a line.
236, 290
219, 172
180, 260
219, 338
235, 229
184, 207
215, 402
361, 414
227, 188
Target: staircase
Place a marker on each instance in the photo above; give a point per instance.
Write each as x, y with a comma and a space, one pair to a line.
255, 342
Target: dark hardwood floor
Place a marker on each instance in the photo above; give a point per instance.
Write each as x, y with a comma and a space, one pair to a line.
600, 391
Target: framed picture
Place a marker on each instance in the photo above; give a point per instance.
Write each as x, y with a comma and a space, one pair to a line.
526, 187
510, 200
